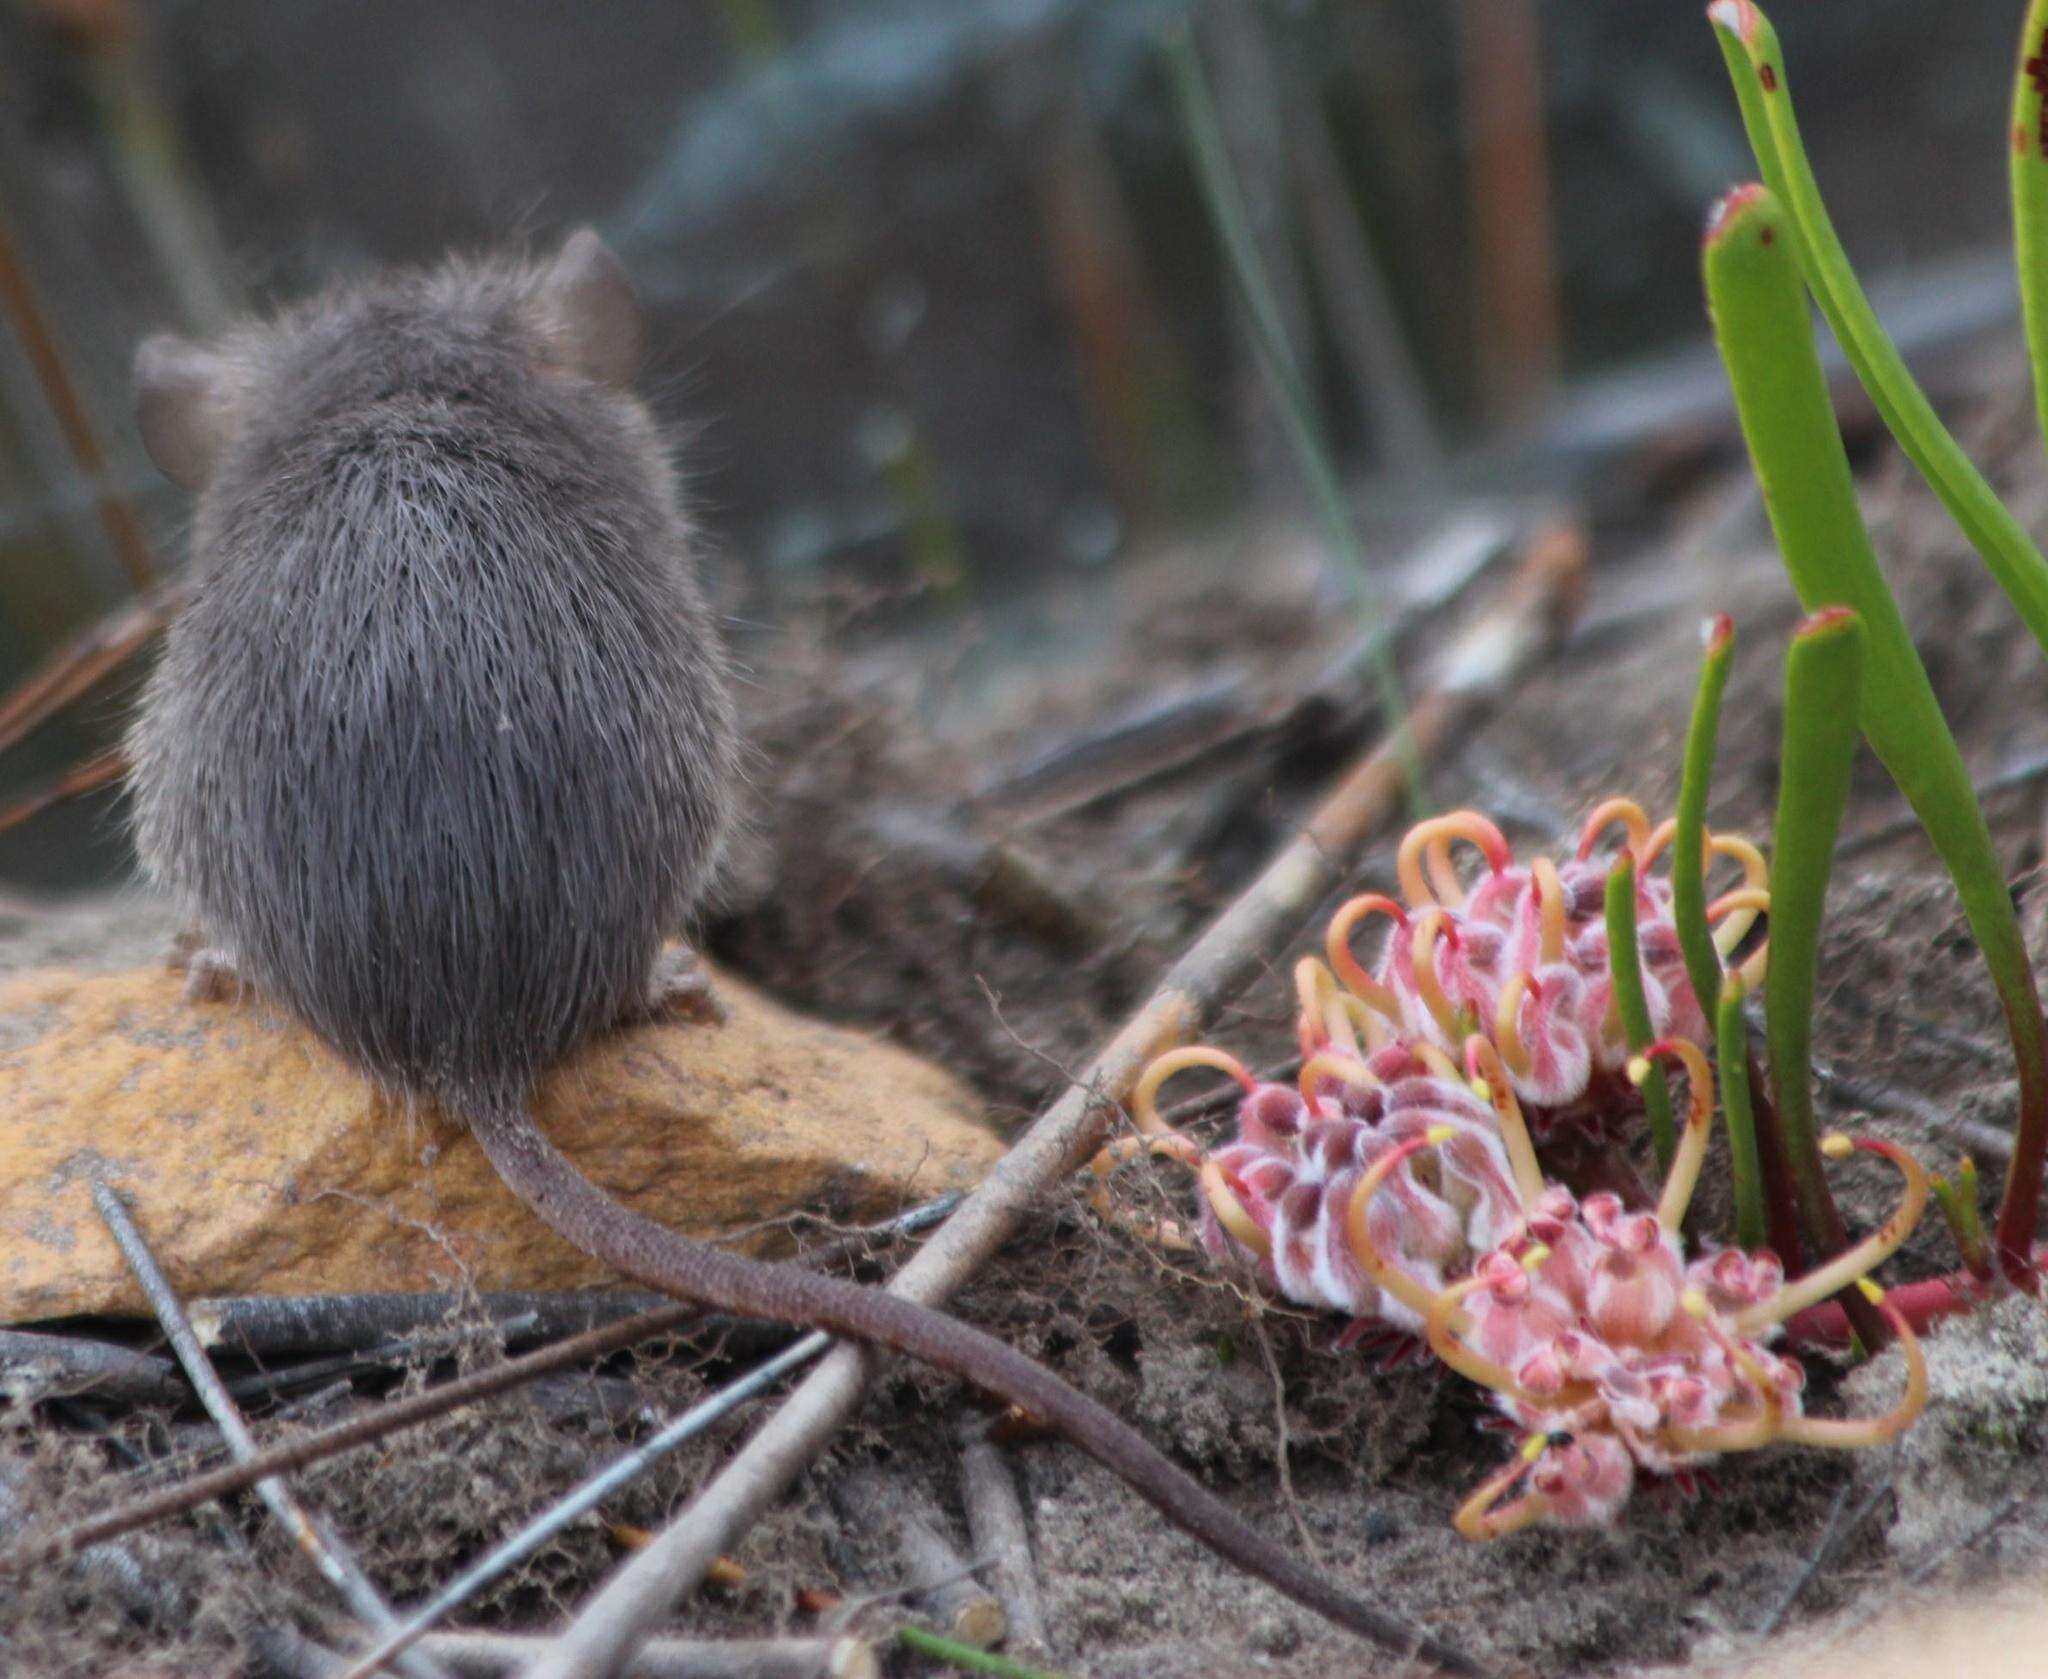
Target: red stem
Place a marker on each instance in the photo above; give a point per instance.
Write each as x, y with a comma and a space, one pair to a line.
1921, 1304
2018, 1208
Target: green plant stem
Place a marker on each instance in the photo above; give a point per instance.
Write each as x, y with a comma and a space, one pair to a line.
1781, 1205
1958, 1201
967, 1656
1823, 673
1731, 1053
1297, 410
1765, 337
1757, 68
1632, 1004
1731, 1057
1689, 835
2030, 193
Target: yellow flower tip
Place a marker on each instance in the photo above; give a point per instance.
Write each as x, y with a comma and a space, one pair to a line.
1534, 1447
1836, 1146
1482, 1090
1638, 1068
1871, 1291
1535, 1256
1695, 1303
1438, 1135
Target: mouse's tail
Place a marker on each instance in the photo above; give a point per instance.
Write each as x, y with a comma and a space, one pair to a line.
548, 1182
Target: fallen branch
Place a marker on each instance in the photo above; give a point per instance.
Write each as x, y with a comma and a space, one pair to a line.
566, 1511
393, 1415
1481, 664
312, 1534
34, 1366
937, 1578
997, 1530
485, 1655
266, 1326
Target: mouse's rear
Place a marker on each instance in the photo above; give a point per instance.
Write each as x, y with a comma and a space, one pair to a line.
443, 747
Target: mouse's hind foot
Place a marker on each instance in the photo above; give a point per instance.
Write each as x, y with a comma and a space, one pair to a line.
679, 990
212, 974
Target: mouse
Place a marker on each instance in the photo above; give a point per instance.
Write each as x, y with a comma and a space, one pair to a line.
443, 751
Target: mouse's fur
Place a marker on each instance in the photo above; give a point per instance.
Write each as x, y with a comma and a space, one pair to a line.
444, 745
442, 749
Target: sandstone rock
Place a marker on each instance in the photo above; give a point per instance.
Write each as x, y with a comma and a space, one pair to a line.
257, 1162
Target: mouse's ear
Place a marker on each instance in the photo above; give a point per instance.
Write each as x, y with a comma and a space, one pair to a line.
177, 408
590, 310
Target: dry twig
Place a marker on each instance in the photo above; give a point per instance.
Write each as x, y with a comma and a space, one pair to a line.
935, 1574
583, 1499
396, 1414
312, 1534
997, 1531
34, 1366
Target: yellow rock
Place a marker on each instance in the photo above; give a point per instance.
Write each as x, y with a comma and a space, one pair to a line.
257, 1163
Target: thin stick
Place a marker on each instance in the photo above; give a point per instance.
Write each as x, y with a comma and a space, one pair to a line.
1528, 618
938, 1579
95, 652
312, 1534
1833, 1537
583, 1498
39, 343
34, 1366
484, 1655
96, 772
996, 1529
393, 1415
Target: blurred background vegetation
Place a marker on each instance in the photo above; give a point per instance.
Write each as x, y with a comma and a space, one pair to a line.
938, 303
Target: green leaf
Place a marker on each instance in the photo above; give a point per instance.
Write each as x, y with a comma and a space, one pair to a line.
1765, 337
1823, 673
2030, 193
1689, 833
1731, 1053
1757, 68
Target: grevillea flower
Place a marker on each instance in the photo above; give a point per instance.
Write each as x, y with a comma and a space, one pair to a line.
1521, 956
1394, 1183
1281, 1194
1608, 1348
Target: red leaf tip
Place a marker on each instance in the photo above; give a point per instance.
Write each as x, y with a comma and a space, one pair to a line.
1827, 620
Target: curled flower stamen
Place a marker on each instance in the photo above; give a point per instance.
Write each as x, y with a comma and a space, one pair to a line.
1230, 1212
1490, 1079
1145, 1094
1334, 1067
1632, 818
1337, 945
1551, 911
1756, 877
1658, 842
1323, 1019
1477, 1517
1747, 1434
1433, 1057
1851, 1432
1856, 1262
1507, 1024
1171, 1145
1430, 841
1389, 1276
1755, 871
1732, 915
1431, 925
1691, 1153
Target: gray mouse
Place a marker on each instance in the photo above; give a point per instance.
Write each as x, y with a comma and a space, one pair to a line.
443, 750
